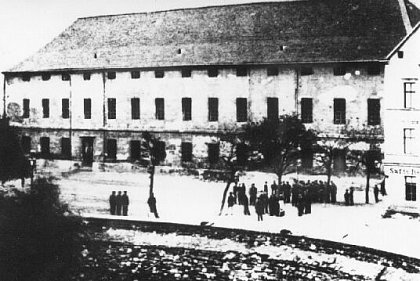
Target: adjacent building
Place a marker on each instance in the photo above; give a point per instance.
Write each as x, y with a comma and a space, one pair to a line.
190, 74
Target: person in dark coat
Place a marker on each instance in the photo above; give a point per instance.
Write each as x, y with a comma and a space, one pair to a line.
287, 191
383, 190
125, 201
307, 202
347, 197
264, 198
351, 198
112, 203
376, 193
274, 188
246, 205
265, 187
271, 205
236, 192
333, 192
252, 195
118, 203
231, 202
152, 205
242, 190
300, 204
259, 208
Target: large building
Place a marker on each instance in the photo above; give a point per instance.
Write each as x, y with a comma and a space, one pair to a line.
190, 74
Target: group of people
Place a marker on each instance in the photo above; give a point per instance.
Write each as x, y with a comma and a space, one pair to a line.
118, 203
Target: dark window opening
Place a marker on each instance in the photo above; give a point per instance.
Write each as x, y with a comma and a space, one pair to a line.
410, 188
45, 76
65, 108
241, 110
306, 110
186, 73
45, 108
87, 108
374, 112
339, 160
213, 153
409, 141
135, 74
26, 144
66, 148
160, 109
135, 150
161, 151
306, 71
272, 71
212, 72
26, 109
339, 111
186, 152
241, 71
409, 92
374, 69
135, 108
86, 76
111, 149
112, 108
26, 77
213, 109
159, 73
272, 108
400, 54
45, 146
241, 154
186, 109
339, 71
65, 77
112, 75
307, 157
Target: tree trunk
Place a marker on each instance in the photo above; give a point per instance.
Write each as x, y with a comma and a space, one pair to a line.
329, 173
367, 186
279, 177
224, 196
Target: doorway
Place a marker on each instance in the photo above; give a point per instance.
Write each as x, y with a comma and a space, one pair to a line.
87, 151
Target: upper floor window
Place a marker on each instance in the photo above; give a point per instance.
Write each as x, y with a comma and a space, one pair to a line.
241, 71
65, 77
86, 76
306, 110
339, 70
241, 110
409, 92
26, 109
65, 108
45, 76
45, 108
374, 112
159, 74
272, 108
409, 141
213, 109
374, 69
212, 72
272, 71
339, 111
135, 74
305, 70
135, 108
112, 108
112, 75
160, 108
186, 109
87, 108
410, 188
400, 54
186, 73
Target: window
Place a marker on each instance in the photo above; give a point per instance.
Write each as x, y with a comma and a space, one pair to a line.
65, 77
241, 71
304, 71
241, 153
400, 54
272, 108
213, 109
409, 91
26, 77
135, 108
160, 108
374, 69
161, 151
306, 110
410, 188
241, 110
45, 108
87, 108
213, 152
339, 111
213, 72
186, 109
186, 152
374, 112
135, 150
307, 157
111, 149
135, 74
272, 71
112, 75
65, 108
159, 74
66, 148
339, 160
45, 146
86, 76
26, 144
409, 145
26, 109
339, 71
186, 73
45, 76
112, 108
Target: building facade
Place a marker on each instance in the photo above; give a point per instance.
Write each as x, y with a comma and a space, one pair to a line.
188, 75
402, 123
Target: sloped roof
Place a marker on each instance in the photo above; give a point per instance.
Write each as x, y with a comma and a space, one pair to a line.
312, 31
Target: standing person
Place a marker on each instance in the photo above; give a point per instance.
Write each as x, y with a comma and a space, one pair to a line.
274, 188
300, 204
235, 192
246, 205
347, 197
271, 205
265, 187
287, 190
118, 203
351, 198
383, 190
242, 190
264, 198
112, 203
125, 201
252, 195
333, 192
376, 193
307, 202
259, 208
231, 202
152, 205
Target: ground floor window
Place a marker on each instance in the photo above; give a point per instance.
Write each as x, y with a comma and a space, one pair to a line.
45, 146
186, 152
135, 150
410, 188
213, 153
111, 149
66, 147
339, 160
26, 144
307, 158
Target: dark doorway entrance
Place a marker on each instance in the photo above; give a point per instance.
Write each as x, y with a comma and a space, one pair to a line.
87, 151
